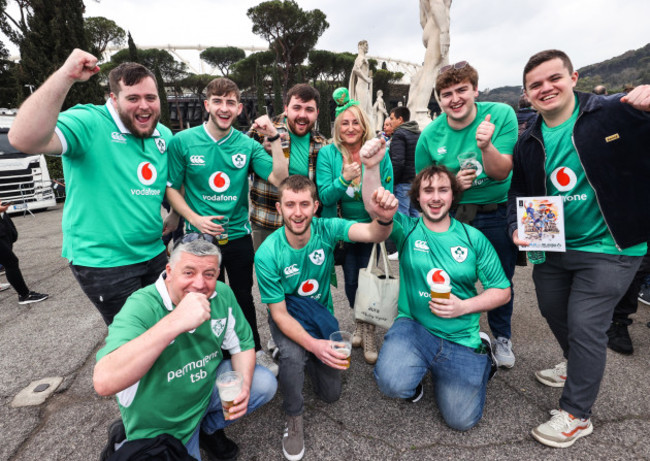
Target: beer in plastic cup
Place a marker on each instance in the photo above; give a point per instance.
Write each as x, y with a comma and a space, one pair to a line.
229, 385
440, 291
467, 161
286, 147
222, 238
341, 342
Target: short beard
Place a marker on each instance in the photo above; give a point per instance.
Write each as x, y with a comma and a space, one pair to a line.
292, 126
128, 123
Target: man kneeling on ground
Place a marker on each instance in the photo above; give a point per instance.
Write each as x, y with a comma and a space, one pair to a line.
441, 335
163, 354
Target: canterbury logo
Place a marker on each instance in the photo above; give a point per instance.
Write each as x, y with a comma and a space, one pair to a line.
119, 137
197, 160
291, 269
421, 245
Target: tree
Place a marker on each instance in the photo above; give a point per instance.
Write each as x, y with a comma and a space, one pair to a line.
101, 32
196, 83
15, 28
162, 94
222, 57
250, 71
290, 31
382, 79
133, 50
8, 84
172, 71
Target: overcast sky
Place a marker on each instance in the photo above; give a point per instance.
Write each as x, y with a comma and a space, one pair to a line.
497, 36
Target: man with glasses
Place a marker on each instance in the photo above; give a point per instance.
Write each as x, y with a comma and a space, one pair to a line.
475, 140
115, 161
212, 162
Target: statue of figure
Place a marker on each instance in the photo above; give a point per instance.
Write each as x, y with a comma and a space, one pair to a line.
379, 110
434, 19
360, 80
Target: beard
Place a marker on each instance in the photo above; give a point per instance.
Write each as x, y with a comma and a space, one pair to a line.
288, 224
129, 123
294, 128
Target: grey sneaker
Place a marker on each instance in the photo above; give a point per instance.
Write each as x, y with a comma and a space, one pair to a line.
562, 430
293, 442
263, 359
503, 353
554, 377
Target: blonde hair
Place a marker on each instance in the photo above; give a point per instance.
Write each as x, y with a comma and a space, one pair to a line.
366, 135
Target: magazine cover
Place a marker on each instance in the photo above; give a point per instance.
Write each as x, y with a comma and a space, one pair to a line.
540, 220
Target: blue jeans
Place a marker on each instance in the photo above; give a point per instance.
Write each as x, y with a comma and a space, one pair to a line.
262, 391
494, 227
460, 374
356, 258
109, 287
405, 206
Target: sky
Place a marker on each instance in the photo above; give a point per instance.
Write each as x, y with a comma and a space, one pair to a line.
496, 37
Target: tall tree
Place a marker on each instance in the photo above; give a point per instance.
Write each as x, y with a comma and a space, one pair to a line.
164, 105
15, 28
101, 32
290, 31
223, 57
133, 50
8, 84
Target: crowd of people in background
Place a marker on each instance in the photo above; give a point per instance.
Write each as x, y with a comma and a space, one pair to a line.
444, 196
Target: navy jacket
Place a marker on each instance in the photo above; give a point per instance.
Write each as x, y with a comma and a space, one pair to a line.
402, 151
613, 143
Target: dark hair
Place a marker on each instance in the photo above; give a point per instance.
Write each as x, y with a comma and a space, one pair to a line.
401, 112
297, 183
222, 86
428, 174
304, 92
455, 76
129, 73
524, 102
546, 55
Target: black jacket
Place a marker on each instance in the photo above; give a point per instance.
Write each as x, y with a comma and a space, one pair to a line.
613, 143
402, 151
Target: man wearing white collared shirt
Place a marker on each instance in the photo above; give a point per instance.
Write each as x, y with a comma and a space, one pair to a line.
115, 164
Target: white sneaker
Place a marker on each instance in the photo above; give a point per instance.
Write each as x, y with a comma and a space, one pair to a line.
554, 377
263, 359
562, 430
4, 286
393, 256
503, 352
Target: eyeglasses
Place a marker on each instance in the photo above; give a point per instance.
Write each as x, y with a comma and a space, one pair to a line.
457, 66
187, 238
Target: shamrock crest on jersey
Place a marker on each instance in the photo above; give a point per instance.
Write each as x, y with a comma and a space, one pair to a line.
317, 257
459, 253
239, 160
217, 325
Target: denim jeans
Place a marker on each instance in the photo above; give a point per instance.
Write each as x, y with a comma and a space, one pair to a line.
357, 257
460, 374
262, 390
405, 206
293, 360
109, 287
494, 227
576, 294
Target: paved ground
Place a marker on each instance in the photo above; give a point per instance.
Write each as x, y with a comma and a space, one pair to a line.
59, 337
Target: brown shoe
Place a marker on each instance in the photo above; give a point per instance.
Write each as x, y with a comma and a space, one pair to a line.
369, 344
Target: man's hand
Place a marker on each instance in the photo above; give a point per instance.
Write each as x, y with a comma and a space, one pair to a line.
484, 133
240, 405
517, 241
4, 207
372, 152
264, 126
383, 205
170, 223
351, 171
192, 311
639, 98
80, 66
448, 308
206, 225
324, 352
465, 178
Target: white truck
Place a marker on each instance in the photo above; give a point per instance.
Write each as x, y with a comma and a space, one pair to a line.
24, 179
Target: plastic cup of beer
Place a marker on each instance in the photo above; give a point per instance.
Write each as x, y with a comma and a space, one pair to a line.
467, 161
222, 238
229, 385
440, 291
341, 342
286, 146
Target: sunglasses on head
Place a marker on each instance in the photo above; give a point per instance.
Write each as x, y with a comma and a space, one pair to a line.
456, 66
187, 238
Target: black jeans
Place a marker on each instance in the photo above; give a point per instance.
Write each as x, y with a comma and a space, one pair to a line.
109, 287
10, 261
237, 260
630, 300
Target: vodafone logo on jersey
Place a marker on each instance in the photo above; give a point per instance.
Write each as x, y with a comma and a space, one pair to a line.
308, 287
219, 181
564, 179
436, 275
147, 173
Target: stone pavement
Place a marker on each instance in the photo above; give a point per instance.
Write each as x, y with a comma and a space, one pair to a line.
59, 338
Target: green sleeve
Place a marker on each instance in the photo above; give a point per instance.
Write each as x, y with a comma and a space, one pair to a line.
268, 274
386, 171
506, 131
175, 163
242, 328
261, 161
490, 271
328, 172
78, 126
423, 157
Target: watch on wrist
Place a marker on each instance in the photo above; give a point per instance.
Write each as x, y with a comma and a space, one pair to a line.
273, 138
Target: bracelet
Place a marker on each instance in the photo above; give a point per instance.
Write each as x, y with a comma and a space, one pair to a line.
344, 182
385, 223
273, 138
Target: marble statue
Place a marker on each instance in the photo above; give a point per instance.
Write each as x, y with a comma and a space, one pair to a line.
361, 80
379, 111
434, 19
